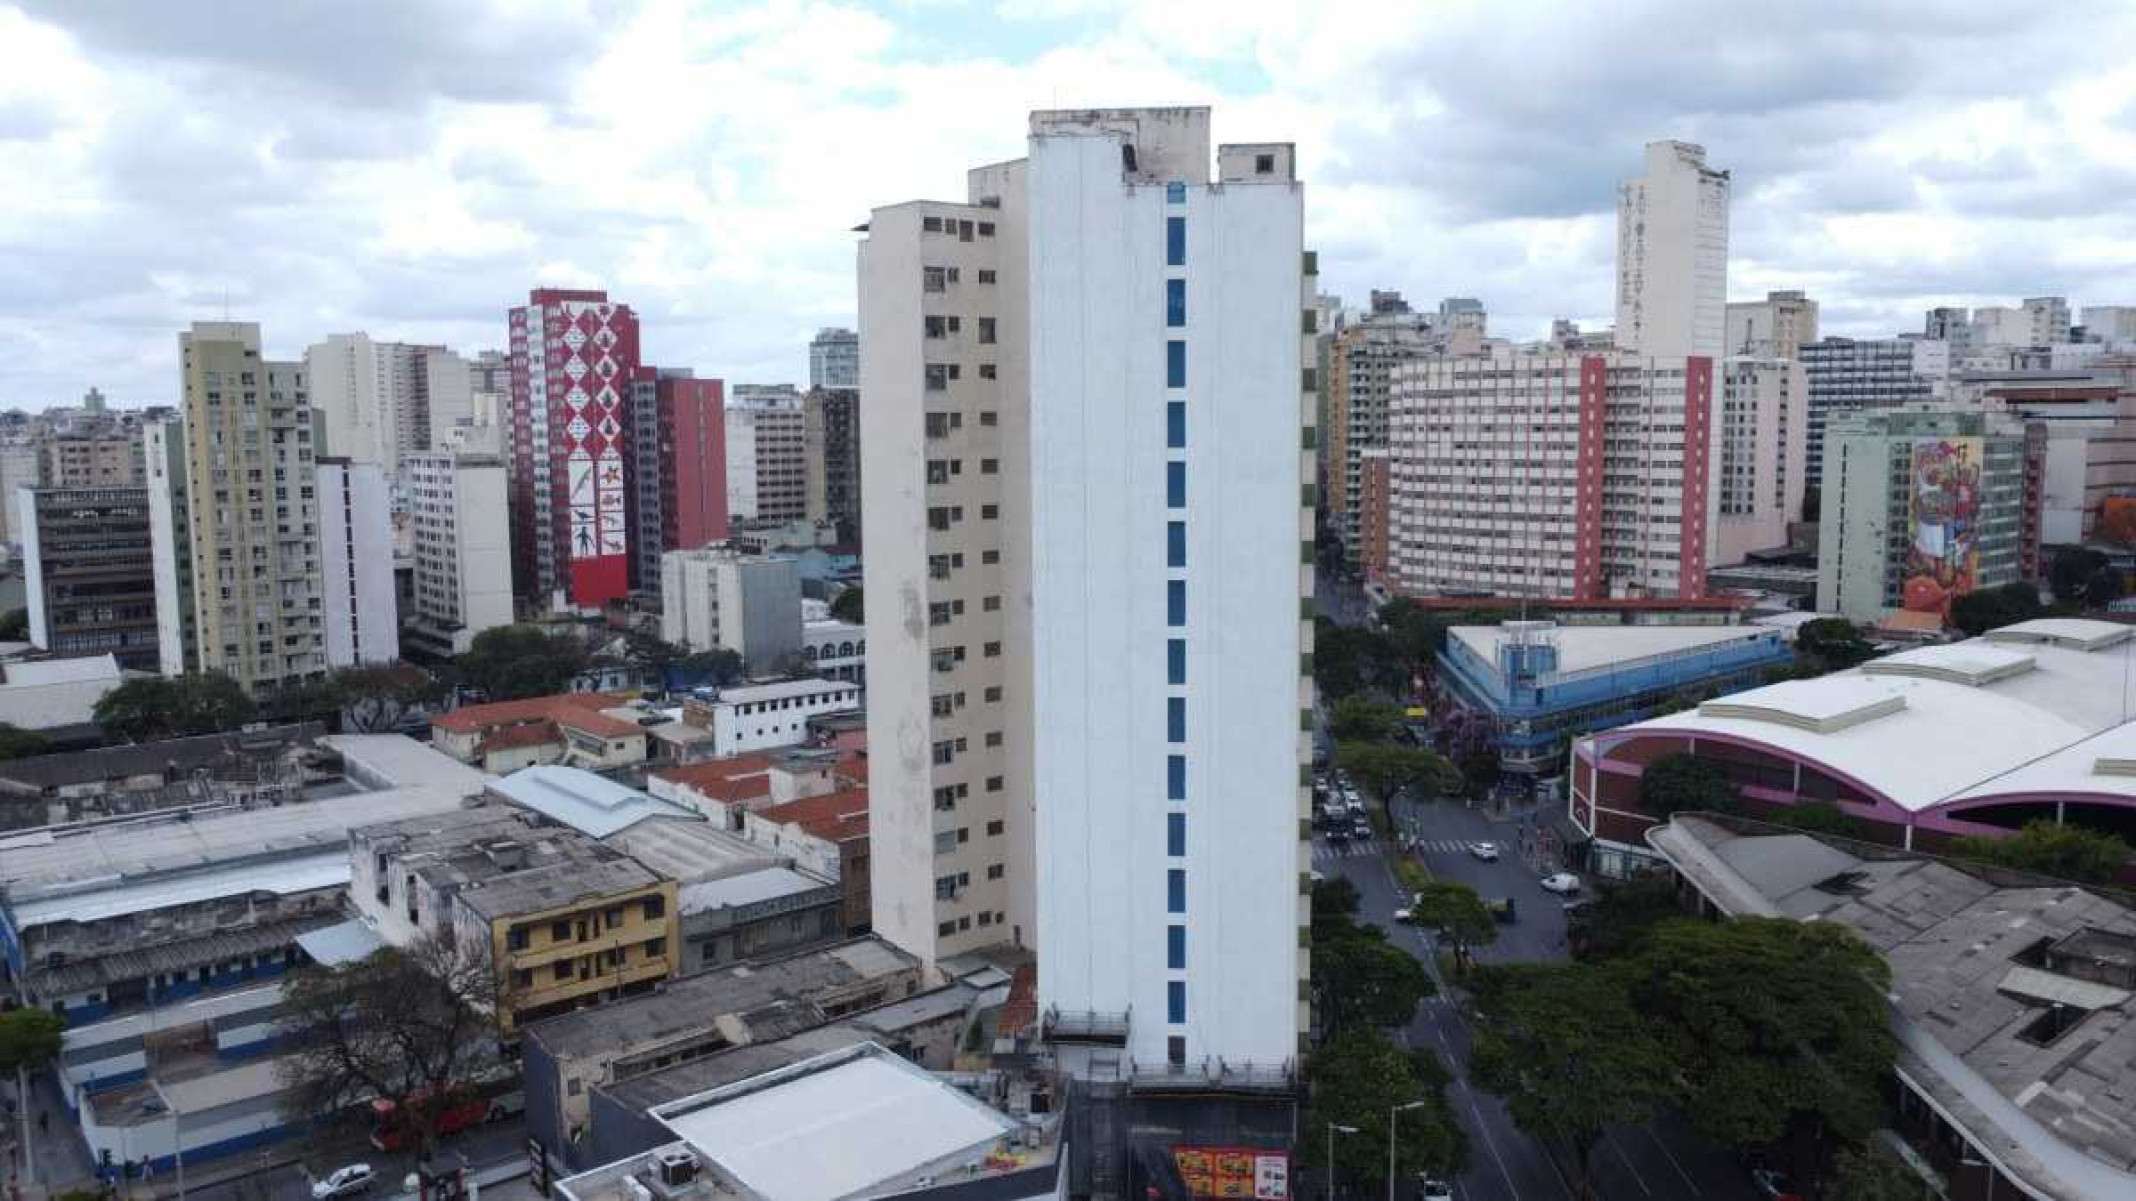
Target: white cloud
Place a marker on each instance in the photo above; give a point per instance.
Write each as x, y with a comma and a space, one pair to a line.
414, 169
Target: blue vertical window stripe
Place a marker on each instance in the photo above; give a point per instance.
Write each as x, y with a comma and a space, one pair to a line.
1175, 193
1175, 948
1175, 302
1175, 782
1175, 485
1175, 718
1175, 241
1175, 890
1175, 834
1175, 1001
1175, 363
1175, 544
1175, 661
1175, 602
1175, 424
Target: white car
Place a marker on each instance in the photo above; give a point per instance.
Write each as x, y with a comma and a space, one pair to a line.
1403, 916
1561, 882
1486, 851
1436, 1190
343, 1182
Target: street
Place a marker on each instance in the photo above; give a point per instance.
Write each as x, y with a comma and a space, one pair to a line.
1661, 1161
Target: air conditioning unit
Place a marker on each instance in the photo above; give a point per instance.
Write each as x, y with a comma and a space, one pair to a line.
677, 1167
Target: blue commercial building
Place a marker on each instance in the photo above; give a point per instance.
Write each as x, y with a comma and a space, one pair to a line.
1544, 684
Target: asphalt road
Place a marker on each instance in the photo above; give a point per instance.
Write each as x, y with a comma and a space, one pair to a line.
1338, 597
1661, 1161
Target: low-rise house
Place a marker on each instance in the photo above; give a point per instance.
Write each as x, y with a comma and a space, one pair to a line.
582, 729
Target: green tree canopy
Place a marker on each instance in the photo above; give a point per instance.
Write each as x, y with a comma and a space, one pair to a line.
1385, 768
1831, 644
29, 1039
1867, 1171
1358, 719
1682, 783
1358, 1079
509, 662
1349, 659
1986, 609
2071, 572
1767, 1020
1361, 979
153, 707
15, 625
1565, 1047
848, 605
1458, 914
1619, 914
2065, 852
18, 743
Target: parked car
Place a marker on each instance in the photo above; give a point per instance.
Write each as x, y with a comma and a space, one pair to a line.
1361, 830
1435, 1190
1503, 909
1353, 802
1338, 834
344, 1181
1773, 1185
1561, 882
1486, 851
1404, 916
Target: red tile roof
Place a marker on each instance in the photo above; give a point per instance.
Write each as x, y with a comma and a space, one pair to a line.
579, 710
833, 817
525, 734
741, 778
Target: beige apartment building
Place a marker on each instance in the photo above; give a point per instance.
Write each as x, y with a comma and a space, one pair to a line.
252, 515
106, 459
943, 368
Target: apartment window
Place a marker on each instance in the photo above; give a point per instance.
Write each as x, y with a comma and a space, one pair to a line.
1175, 544
986, 330
1175, 306
932, 225
932, 279
655, 908
993, 829
1175, 241
990, 556
986, 229
986, 275
934, 327
1175, 602
516, 939
1175, 890
937, 377
946, 929
559, 931
1175, 834
986, 371
993, 738
1175, 193
655, 947
1175, 485
1175, 718
989, 466
994, 871
1264, 164
991, 650
1175, 364
1175, 661
1175, 1001
993, 693
560, 970
989, 512
988, 417
990, 604
1175, 948
1175, 424
993, 783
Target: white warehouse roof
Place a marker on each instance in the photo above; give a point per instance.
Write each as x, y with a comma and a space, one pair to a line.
2041, 706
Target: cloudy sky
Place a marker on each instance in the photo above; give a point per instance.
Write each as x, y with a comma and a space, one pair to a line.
411, 168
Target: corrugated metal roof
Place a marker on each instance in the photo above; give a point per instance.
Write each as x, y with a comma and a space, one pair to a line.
582, 800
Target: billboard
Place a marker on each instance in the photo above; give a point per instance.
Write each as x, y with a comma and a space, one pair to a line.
1942, 523
1247, 1173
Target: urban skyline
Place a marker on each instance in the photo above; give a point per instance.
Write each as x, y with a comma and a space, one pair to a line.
1940, 186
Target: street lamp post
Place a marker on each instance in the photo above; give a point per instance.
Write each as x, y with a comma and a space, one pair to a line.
1333, 1127
1392, 1114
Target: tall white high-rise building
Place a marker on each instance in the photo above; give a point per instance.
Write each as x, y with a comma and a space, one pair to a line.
356, 563
463, 550
1088, 445
375, 399
1672, 255
716, 598
767, 454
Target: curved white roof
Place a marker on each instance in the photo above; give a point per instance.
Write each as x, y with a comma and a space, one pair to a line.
2029, 708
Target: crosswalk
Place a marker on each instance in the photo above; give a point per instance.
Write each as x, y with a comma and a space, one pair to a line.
1324, 852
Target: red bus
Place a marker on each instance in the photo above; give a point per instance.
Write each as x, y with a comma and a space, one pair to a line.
462, 1108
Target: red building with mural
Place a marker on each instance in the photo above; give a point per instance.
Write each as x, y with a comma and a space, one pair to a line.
573, 356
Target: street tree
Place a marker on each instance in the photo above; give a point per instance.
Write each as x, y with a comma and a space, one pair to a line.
1459, 915
849, 606
409, 1025
1360, 719
1361, 979
1563, 1044
1358, 1079
15, 625
377, 698
1349, 659
1831, 644
1683, 783
1618, 916
2063, 851
509, 662
1384, 768
2071, 572
30, 1039
1335, 902
1767, 1021
1868, 1171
